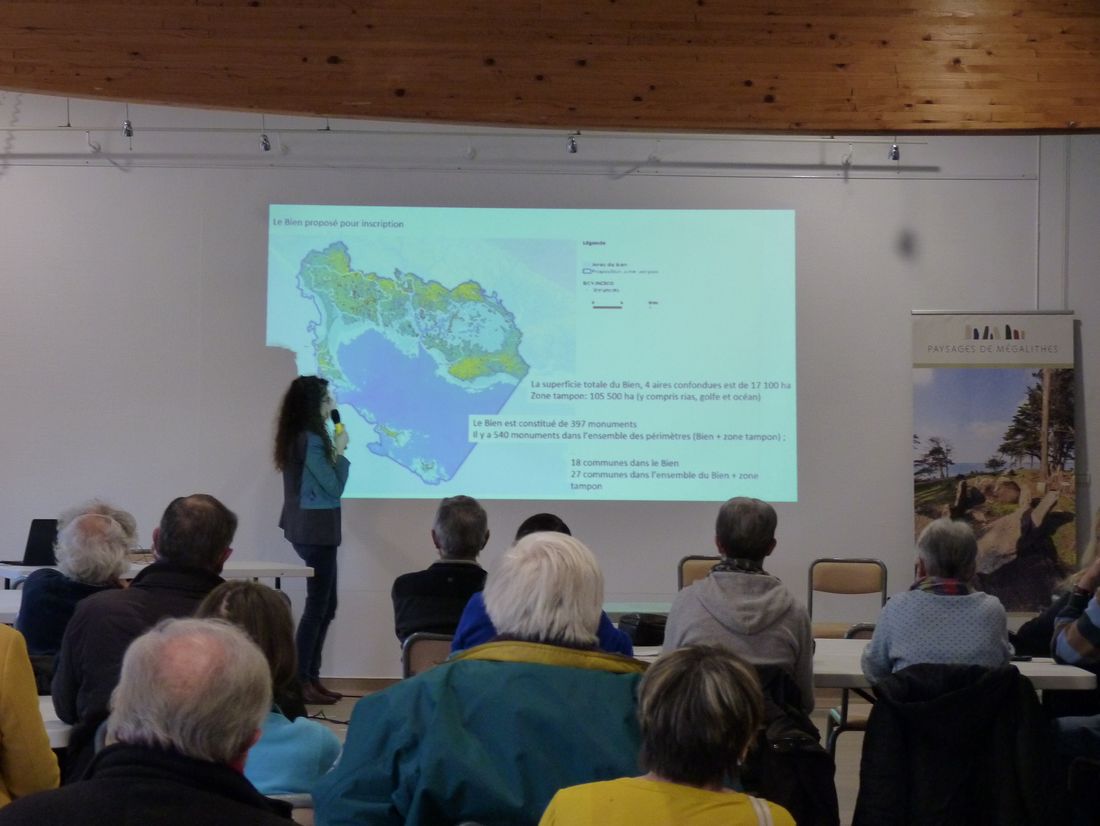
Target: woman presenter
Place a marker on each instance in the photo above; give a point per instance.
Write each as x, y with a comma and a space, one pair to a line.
314, 472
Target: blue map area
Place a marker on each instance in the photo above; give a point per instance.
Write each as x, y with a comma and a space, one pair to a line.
413, 357
419, 416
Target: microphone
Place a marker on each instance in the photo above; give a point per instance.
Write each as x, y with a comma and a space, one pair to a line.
336, 425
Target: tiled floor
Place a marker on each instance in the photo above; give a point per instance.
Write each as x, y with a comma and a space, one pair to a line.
849, 744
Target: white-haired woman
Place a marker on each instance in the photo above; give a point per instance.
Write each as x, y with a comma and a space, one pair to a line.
490, 735
699, 709
940, 619
91, 556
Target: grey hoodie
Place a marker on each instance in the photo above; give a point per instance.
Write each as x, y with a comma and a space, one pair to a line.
752, 615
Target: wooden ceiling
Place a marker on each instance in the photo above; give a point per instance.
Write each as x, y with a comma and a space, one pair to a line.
810, 66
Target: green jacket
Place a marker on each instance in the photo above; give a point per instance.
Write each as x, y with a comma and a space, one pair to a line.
488, 736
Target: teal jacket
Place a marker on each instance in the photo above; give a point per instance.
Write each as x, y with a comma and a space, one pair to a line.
488, 736
322, 479
312, 486
290, 755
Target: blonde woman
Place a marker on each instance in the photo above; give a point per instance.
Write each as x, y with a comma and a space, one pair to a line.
699, 709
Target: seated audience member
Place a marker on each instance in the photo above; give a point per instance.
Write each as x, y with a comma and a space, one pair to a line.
475, 627
491, 734
190, 700
699, 709
433, 599
1077, 642
189, 546
91, 557
1036, 636
741, 607
940, 619
290, 754
27, 764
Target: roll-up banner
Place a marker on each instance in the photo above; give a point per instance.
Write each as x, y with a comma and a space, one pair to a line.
993, 444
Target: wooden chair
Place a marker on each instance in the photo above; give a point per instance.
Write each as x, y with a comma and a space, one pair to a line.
694, 568
843, 576
424, 650
846, 716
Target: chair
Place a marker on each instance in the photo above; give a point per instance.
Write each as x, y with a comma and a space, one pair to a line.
952, 745
845, 717
694, 568
843, 576
424, 650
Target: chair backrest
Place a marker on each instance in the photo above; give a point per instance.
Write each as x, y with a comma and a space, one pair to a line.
424, 650
693, 568
844, 576
860, 631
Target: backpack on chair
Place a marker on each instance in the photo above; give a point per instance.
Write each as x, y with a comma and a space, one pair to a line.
788, 765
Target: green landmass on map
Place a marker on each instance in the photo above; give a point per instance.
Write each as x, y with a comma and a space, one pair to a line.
471, 333
415, 358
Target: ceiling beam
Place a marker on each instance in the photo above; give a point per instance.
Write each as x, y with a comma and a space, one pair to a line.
801, 66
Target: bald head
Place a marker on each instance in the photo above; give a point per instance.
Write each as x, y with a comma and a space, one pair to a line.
199, 687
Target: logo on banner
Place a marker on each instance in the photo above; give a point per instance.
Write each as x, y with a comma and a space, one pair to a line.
994, 332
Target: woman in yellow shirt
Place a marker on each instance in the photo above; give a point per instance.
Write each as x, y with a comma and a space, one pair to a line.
26, 763
699, 709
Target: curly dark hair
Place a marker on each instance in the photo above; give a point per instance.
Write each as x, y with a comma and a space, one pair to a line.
300, 411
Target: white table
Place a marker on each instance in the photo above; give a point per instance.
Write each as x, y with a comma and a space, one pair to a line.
57, 731
9, 606
259, 569
233, 569
617, 609
836, 665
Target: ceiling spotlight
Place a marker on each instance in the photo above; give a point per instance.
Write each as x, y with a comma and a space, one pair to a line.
265, 143
127, 128
895, 152
572, 144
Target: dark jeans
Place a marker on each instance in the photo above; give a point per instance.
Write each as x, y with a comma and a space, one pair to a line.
320, 607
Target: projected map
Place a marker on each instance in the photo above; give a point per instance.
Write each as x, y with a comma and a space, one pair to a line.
412, 356
546, 354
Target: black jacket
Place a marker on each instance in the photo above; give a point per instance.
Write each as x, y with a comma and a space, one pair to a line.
99, 633
49, 600
954, 744
433, 599
139, 786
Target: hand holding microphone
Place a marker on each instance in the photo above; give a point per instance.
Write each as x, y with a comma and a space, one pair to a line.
340, 442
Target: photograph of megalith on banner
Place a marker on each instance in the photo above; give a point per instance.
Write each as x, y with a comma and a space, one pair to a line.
995, 446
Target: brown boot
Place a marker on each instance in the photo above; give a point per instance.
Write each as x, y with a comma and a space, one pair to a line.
328, 692
312, 696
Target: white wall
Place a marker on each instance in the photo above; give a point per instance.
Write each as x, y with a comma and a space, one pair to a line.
133, 308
